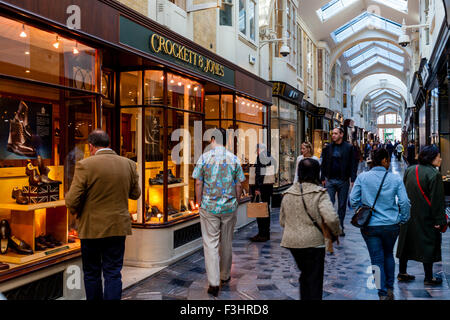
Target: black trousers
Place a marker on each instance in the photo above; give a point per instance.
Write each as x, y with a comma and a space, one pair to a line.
311, 263
103, 255
264, 223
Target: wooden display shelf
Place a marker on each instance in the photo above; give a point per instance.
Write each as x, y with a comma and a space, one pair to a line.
31, 207
15, 258
169, 186
24, 226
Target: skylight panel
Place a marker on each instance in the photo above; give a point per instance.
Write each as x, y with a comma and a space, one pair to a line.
375, 51
362, 21
390, 46
357, 48
332, 8
374, 60
379, 92
384, 101
399, 5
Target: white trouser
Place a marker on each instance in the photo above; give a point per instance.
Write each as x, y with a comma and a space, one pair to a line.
217, 233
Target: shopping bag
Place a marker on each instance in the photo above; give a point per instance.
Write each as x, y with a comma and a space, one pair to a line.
258, 209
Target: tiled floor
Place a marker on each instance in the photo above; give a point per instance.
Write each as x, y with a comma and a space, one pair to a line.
267, 271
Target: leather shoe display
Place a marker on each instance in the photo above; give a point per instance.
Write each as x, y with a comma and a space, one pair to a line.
157, 180
39, 246
33, 174
183, 208
17, 195
5, 233
155, 211
19, 245
44, 170
50, 239
4, 266
43, 242
171, 178
171, 210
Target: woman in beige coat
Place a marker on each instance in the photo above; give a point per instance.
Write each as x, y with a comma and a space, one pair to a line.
305, 210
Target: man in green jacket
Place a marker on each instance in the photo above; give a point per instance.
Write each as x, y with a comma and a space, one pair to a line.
99, 195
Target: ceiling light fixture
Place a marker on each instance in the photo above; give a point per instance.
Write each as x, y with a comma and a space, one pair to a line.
75, 49
23, 34
27, 52
56, 43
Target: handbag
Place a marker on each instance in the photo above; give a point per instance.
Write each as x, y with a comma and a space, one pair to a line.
363, 214
443, 228
258, 209
327, 232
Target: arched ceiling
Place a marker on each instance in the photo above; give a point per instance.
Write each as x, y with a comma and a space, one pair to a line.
373, 83
363, 36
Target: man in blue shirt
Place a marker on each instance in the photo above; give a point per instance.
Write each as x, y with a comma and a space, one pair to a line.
391, 209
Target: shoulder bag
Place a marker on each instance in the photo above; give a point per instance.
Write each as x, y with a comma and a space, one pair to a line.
443, 228
332, 237
364, 213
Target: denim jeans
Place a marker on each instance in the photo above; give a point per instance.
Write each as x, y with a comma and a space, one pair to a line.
341, 187
380, 241
104, 255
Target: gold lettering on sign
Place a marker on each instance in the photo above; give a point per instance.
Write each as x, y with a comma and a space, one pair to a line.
160, 44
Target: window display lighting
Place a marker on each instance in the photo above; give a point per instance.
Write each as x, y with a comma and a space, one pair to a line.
23, 34
56, 43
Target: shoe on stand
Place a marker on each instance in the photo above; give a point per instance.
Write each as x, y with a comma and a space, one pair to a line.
18, 143
44, 170
49, 238
19, 245
43, 242
5, 233
17, 195
34, 177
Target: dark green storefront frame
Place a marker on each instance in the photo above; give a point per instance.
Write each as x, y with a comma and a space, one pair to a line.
137, 36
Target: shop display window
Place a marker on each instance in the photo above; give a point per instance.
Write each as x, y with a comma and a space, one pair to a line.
249, 111
131, 88
43, 132
184, 93
284, 142
32, 53
288, 152
227, 106
212, 106
153, 87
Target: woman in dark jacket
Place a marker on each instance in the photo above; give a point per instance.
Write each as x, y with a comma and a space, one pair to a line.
264, 187
420, 238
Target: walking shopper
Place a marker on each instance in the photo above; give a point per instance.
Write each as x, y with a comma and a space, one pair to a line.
306, 209
411, 153
356, 151
367, 150
307, 151
378, 188
390, 148
218, 175
399, 149
99, 195
263, 187
420, 239
337, 170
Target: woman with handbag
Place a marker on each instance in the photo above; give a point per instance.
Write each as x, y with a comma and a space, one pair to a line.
263, 188
375, 193
306, 208
420, 239
307, 151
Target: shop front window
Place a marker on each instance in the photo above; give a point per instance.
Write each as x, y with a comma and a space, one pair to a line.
249, 111
184, 93
153, 87
32, 53
288, 152
130, 88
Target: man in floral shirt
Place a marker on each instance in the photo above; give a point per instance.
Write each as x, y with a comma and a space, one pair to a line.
218, 187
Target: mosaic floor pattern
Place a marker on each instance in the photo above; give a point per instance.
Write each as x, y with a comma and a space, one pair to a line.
266, 271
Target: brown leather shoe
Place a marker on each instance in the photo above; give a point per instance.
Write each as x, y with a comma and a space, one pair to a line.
4, 266
17, 194
213, 290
